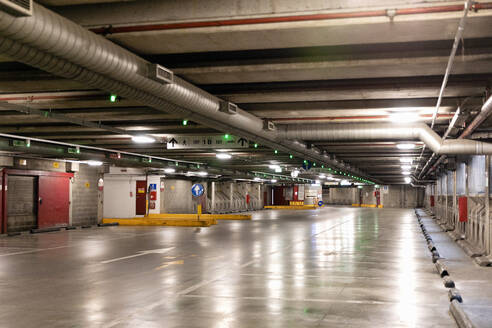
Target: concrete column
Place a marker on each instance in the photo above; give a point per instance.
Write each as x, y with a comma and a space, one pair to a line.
212, 197
455, 216
467, 192
488, 229
260, 198
231, 196
446, 193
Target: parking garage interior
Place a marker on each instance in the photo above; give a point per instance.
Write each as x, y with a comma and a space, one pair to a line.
231, 163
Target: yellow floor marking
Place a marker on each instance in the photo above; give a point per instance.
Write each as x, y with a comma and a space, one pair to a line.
165, 265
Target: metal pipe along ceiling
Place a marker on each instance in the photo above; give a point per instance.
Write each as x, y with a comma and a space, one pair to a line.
421, 131
53, 43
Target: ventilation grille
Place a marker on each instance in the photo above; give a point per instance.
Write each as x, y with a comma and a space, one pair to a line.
268, 125
161, 74
17, 7
228, 107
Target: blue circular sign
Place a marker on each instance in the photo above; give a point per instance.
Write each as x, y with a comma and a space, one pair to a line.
197, 190
320, 203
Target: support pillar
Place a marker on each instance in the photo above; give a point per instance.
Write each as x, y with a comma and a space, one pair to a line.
212, 197
446, 193
455, 216
231, 196
488, 233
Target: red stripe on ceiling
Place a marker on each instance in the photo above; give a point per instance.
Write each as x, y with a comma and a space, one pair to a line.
284, 19
333, 118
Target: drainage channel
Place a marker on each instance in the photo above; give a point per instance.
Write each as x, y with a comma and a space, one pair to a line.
454, 294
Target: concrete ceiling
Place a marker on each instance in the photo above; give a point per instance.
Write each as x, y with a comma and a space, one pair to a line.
287, 61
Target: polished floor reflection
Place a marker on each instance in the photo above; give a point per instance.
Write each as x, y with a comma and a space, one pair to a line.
333, 267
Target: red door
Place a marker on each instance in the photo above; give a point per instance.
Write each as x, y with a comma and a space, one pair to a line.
53, 201
141, 198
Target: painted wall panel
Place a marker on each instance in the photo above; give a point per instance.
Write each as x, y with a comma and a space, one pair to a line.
119, 196
176, 197
476, 180
21, 203
461, 178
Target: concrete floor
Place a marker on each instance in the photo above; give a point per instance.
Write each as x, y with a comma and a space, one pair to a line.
333, 267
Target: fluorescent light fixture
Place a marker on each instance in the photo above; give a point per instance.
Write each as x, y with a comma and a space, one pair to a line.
257, 179
408, 179
322, 176
345, 183
169, 170
404, 117
406, 173
143, 139
274, 166
278, 170
202, 173
294, 174
223, 156
406, 167
405, 146
94, 163
406, 160
273, 180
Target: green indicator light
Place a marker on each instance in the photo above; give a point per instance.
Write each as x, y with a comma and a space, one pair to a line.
305, 161
226, 136
185, 122
290, 156
322, 166
177, 164
256, 145
198, 166
113, 98
276, 151
314, 164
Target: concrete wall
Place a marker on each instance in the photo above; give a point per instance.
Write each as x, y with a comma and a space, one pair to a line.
403, 196
341, 196
397, 196
86, 200
21, 203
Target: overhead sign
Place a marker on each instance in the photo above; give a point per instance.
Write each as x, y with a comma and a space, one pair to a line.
197, 190
320, 203
209, 142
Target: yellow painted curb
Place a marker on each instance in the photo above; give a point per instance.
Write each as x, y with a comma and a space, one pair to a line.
227, 216
289, 207
356, 205
162, 222
368, 205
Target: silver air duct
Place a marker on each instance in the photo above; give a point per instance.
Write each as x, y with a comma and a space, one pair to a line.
386, 131
54, 44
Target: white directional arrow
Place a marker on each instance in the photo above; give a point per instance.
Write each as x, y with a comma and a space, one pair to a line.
140, 253
197, 189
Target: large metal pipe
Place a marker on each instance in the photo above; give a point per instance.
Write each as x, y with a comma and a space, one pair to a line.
421, 131
284, 19
485, 112
55, 44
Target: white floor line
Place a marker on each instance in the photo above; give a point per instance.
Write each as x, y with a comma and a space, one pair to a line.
69, 246
316, 300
